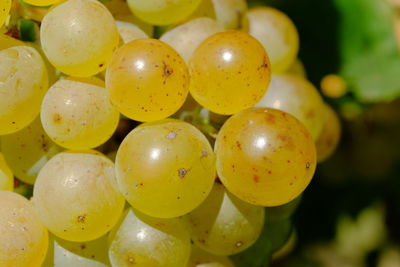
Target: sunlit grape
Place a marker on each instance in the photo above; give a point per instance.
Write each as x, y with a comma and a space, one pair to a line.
5, 6
42, 2
24, 239
76, 196
129, 31
6, 175
298, 97
146, 241
265, 156
165, 169
278, 35
229, 72
201, 258
23, 83
79, 37
147, 80
78, 115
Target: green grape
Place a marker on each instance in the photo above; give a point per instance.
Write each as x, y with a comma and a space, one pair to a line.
79, 37
298, 97
147, 80
27, 150
187, 37
165, 169
76, 196
283, 212
129, 31
146, 241
161, 12
6, 175
201, 258
278, 35
229, 72
78, 115
24, 240
297, 68
23, 83
265, 156
330, 135
42, 2
224, 224
5, 6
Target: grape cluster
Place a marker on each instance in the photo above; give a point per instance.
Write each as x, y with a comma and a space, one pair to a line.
176, 151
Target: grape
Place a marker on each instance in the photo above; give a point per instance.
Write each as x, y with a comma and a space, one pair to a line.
224, 224
76, 196
187, 37
278, 35
42, 2
145, 241
265, 156
5, 6
283, 212
129, 31
7, 42
6, 175
333, 86
298, 97
297, 68
79, 37
330, 134
230, 12
78, 115
161, 12
23, 83
229, 72
27, 151
147, 80
201, 258
165, 169
24, 240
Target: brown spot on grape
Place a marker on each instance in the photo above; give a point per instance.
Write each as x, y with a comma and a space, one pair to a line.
203, 153
168, 71
81, 218
239, 244
131, 260
182, 172
270, 118
83, 246
171, 135
256, 179
269, 172
57, 118
308, 165
239, 145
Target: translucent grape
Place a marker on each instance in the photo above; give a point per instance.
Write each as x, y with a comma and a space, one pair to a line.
297, 68
298, 97
6, 175
229, 72
165, 169
330, 135
42, 2
76, 196
265, 156
187, 37
129, 31
27, 150
224, 224
201, 258
79, 37
5, 6
160, 12
78, 115
277, 33
23, 83
229, 13
146, 241
24, 239
147, 80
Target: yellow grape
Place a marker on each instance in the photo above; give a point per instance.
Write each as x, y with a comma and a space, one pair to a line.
277, 33
297, 68
145, 241
147, 80
298, 97
6, 175
7, 42
161, 12
165, 169
27, 150
229, 13
23, 83
265, 156
78, 115
129, 31
229, 72
79, 37
24, 239
76, 196
224, 224
333, 86
330, 134
201, 258
5, 6
42, 2
187, 37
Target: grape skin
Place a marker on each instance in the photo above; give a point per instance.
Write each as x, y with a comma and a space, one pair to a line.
201, 258
42, 2
6, 175
5, 6
130, 32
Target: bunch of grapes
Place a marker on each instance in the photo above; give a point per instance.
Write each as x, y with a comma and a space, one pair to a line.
177, 151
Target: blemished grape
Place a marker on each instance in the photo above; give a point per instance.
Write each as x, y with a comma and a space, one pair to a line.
187, 37
23, 83
161, 12
298, 97
224, 224
78, 115
27, 150
201, 258
79, 37
230, 72
5, 6
165, 169
6, 175
278, 35
76, 196
265, 156
147, 80
141, 240
24, 239
330, 134
129, 31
